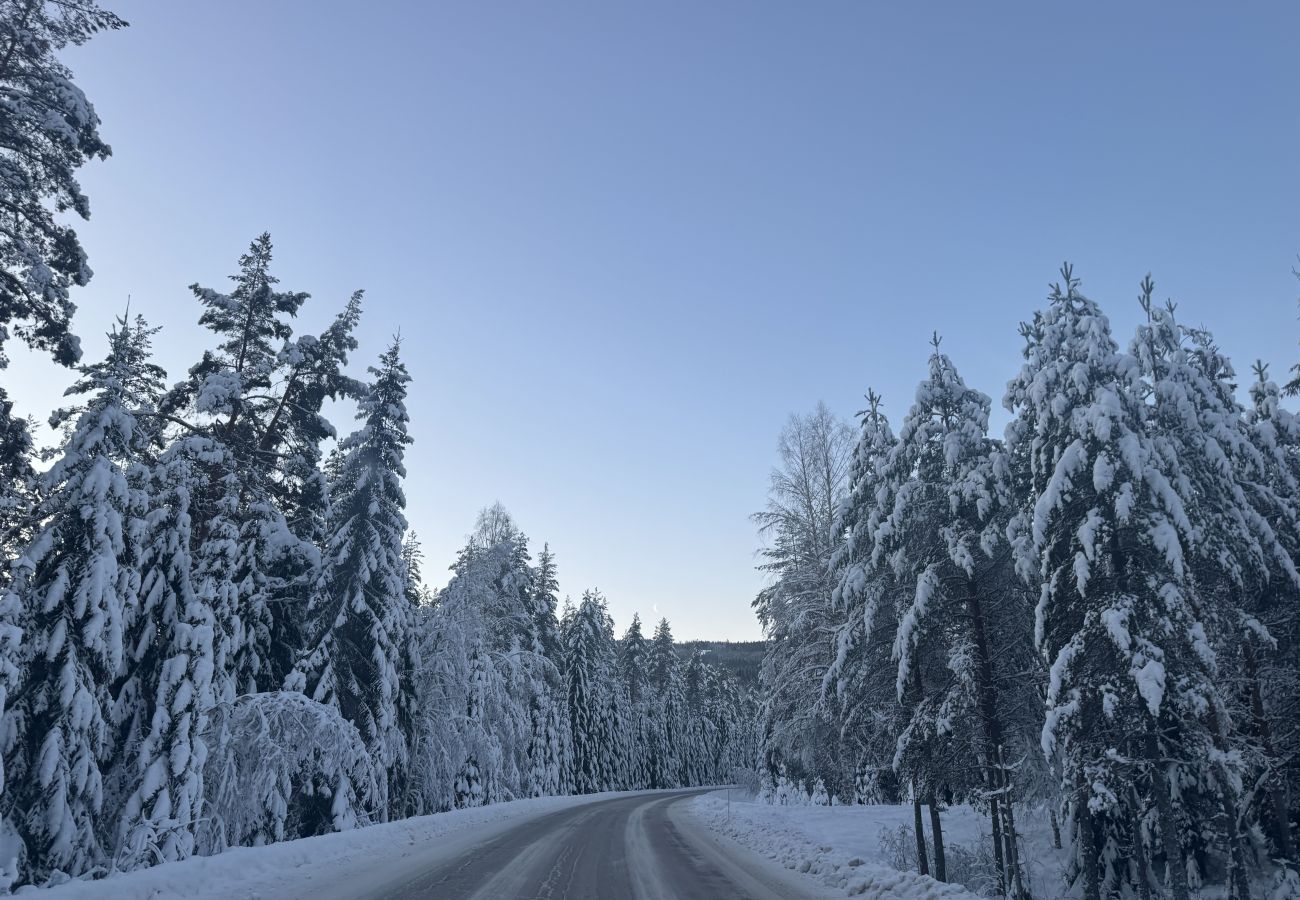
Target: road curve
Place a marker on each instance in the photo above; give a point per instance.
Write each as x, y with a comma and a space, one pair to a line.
628, 848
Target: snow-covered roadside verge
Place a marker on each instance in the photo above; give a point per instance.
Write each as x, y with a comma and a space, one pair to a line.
343, 865
838, 846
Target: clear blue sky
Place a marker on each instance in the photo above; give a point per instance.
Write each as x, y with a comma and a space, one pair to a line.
623, 241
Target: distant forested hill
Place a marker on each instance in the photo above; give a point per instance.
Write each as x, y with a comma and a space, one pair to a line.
741, 658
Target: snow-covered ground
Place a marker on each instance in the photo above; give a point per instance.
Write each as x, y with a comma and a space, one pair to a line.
841, 847
330, 867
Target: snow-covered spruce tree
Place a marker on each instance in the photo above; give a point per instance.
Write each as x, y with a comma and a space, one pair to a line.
417, 592
68, 599
663, 657
801, 733
467, 726
742, 745
633, 654
545, 598
634, 671
716, 703
872, 596
961, 633
164, 704
865, 597
667, 713
477, 676
258, 395
217, 547
17, 476
1131, 669
484, 685
702, 744
1276, 431
438, 724
359, 657
621, 735
1271, 656
312, 373
518, 606
549, 753
130, 703
514, 612
734, 717
1238, 556
590, 667
548, 749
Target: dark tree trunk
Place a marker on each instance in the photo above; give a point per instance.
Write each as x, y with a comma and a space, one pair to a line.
918, 688
1088, 853
936, 830
991, 723
996, 821
1277, 798
1009, 829
1175, 866
1239, 878
922, 859
1140, 853
1238, 874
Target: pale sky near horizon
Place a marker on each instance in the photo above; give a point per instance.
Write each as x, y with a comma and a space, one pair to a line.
624, 241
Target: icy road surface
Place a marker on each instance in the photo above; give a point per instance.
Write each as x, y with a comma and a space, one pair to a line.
641, 847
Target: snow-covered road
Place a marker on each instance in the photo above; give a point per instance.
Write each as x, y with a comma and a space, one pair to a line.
645, 845
639, 847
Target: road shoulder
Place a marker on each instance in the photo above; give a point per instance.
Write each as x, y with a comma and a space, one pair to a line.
773, 834
741, 863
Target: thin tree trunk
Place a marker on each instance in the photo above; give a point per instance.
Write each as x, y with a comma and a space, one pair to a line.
1239, 878
1013, 849
1088, 854
1278, 801
996, 821
936, 833
1140, 852
1175, 867
1009, 828
1143, 865
922, 860
991, 723
1238, 874
919, 689
1056, 829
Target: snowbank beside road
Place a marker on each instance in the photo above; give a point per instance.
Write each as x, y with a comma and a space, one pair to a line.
343, 865
839, 846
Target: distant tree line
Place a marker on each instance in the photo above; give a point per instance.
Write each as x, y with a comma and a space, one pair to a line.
743, 659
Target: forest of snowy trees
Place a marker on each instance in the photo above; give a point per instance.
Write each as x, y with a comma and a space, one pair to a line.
1096, 617
214, 629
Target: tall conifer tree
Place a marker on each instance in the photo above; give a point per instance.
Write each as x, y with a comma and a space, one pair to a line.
360, 657
70, 595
